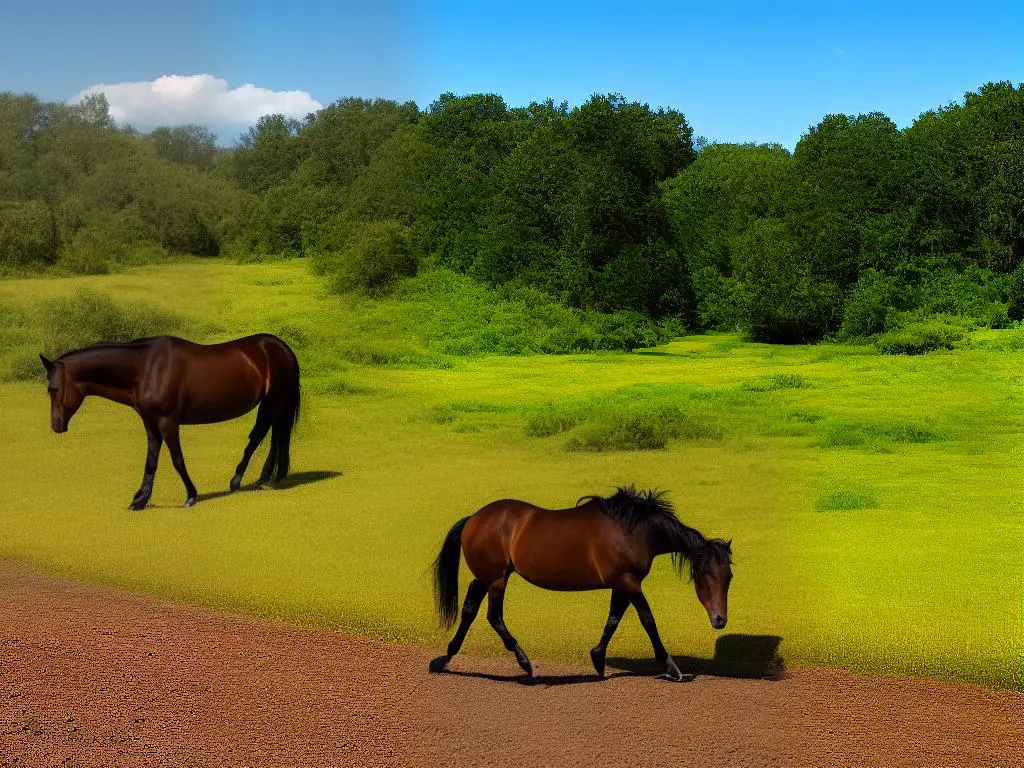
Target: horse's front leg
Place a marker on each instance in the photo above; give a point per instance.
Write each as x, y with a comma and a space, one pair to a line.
643, 610
169, 430
141, 497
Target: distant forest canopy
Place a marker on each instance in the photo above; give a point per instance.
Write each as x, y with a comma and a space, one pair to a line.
608, 206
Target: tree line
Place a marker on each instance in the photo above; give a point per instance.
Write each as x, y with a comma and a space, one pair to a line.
608, 206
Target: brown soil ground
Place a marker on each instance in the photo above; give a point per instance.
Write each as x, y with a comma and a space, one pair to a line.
95, 677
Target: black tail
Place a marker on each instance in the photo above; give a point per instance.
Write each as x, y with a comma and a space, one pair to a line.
446, 575
276, 466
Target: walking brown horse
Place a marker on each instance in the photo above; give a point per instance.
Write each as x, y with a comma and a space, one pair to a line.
171, 381
603, 543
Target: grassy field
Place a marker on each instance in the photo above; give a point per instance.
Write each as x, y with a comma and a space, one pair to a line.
874, 501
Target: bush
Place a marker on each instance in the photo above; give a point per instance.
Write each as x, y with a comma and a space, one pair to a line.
24, 366
919, 338
780, 296
550, 420
968, 293
460, 316
375, 257
868, 304
717, 300
641, 428
89, 317
1015, 294
26, 235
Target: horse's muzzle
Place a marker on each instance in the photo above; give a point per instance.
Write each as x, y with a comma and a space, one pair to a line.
60, 428
718, 622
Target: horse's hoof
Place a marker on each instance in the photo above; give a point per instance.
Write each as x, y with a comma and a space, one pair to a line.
236, 483
598, 661
191, 501
673, 675
135, 506
439, 664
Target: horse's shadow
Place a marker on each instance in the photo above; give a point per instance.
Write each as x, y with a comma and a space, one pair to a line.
754, 657
292, 481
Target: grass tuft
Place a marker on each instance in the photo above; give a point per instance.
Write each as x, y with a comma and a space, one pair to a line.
641, 427
878, 435
550, 420
847, 500
776, 382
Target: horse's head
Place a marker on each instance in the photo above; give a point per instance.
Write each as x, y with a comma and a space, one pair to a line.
711, 568
65, 396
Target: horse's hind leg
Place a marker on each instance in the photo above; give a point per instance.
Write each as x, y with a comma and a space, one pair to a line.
169, 429
620, 602
496, 616
264, 418
474, 596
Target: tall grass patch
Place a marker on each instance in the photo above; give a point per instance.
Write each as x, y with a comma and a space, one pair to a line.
641, 427
919, 339
458, 316
847, 499
776, 382
88, 317
878, 435
550, 420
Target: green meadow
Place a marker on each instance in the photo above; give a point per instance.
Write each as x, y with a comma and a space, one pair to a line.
874, 501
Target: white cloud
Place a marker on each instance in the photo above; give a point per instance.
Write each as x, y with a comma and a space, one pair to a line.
203, 99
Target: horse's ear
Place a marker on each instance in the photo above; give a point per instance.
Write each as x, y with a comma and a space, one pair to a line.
47, 362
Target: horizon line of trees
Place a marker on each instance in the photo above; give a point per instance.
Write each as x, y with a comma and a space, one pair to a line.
609, 206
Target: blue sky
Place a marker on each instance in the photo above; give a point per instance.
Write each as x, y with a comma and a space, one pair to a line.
742, 72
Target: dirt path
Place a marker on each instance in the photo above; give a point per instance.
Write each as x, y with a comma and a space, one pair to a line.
95, 677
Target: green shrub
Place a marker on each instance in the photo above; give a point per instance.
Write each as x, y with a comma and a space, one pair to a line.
641, 427
460, 316
26, 235
868, 304
919, 338
88, 317
378, 254
24, 366
1015, 294
717, 300
551, 420
970, 292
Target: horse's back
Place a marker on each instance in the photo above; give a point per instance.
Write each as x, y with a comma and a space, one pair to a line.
563, 549
207, 383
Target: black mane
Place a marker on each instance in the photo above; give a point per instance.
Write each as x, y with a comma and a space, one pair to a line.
109, 345
649, 513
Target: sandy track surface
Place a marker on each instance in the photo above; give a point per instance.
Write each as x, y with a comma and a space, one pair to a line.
95, 677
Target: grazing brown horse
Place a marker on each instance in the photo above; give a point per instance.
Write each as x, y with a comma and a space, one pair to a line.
170, 381
604, 543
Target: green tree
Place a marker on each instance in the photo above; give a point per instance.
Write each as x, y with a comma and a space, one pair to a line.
186, 145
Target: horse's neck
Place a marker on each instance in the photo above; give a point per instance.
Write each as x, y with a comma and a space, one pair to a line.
685, 542
107, 373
